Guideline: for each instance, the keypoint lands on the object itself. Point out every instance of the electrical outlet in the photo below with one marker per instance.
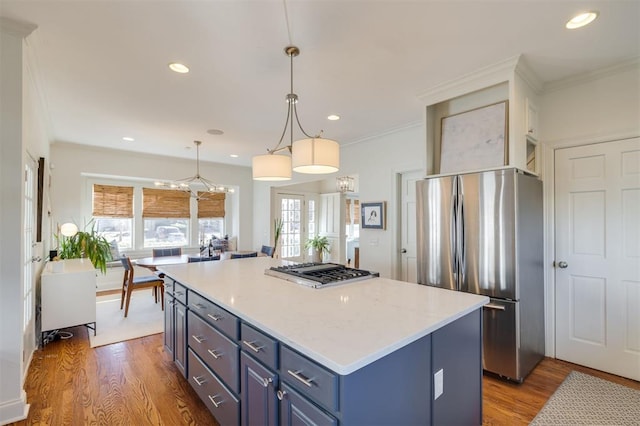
(438, 384)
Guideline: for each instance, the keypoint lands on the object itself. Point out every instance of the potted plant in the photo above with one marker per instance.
(86, 244)
(277, 231)
(319, 245)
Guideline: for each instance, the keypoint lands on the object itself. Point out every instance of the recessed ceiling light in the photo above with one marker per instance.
(581, 20)
(179, 68)
(233, 155)
(128, 139)
(215, 132)
(333, 117)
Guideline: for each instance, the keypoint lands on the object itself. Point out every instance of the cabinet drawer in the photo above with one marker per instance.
(180, 293)
(219, 353)
(296, 409)
(261, 346)
(214, 315)
(168, 285)
(221, 403)
(309, 378)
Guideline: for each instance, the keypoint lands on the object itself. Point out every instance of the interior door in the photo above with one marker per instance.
(597, 202)
(408, 226)
(293, 231)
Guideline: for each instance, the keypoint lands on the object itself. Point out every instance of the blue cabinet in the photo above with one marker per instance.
(259, 401)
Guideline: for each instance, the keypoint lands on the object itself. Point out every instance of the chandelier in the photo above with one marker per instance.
(344, 184)
(313, 155)
(196, 186)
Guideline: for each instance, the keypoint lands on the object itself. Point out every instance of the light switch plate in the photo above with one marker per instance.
(438, 384)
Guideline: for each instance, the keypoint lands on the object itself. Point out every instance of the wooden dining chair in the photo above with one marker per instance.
(129, 284)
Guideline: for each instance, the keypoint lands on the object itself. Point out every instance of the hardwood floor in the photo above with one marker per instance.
(135, 383)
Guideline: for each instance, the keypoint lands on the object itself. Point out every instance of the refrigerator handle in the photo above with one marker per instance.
(453, 230)
(461, 229)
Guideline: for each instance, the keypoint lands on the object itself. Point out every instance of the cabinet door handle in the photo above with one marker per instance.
(217, 404)
(280, 394)
(214, 317)
(200, 380)
(300, 377)
(266, 381)
(214, 354)
(197, 305)
(198, 339)
(252, 346)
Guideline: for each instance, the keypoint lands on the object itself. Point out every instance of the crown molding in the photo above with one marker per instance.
(16, 28)
(587, 77)
(482, 78)
(524, 71)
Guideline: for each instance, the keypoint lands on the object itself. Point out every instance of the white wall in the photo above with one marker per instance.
(597, 107)
(13, 401)
(74, 165)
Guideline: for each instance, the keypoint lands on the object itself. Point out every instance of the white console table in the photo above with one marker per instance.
(68, 296)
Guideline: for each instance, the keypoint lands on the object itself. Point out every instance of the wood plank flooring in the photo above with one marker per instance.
(135, 383)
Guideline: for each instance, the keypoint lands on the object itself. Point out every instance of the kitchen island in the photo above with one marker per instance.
(262, 350)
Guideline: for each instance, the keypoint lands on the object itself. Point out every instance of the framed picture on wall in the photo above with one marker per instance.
(475, 139)
(373, 215)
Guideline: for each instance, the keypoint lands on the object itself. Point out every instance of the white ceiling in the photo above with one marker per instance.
(102, 65)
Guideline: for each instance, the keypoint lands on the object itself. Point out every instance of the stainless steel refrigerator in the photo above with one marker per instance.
(482, 233)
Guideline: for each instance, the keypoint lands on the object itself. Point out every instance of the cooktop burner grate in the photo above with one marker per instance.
(319, 274)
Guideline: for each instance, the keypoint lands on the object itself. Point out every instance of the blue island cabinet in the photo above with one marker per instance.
(247, 377)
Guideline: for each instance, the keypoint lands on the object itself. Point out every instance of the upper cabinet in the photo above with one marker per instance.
(509, 82)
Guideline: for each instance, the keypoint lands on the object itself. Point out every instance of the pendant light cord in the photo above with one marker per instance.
(286, 18)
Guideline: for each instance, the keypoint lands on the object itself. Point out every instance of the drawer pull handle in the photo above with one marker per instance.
(214, 317)
(252, 346)
(197, 305)
(214, 354)
(200, 380)
(266, 381)
(280, 394)
(300, 377)
(198, 339)
(179, 293)
(217, 404)
(492, 306)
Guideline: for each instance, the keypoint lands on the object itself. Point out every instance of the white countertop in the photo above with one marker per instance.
(343, 327)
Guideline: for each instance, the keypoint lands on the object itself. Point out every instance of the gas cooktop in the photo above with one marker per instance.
(319, 275)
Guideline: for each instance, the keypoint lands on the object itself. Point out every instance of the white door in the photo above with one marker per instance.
(408, 248)
(597, 202)
(29, 258)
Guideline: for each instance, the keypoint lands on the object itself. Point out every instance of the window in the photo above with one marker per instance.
(112, 210)
(166, 217)
(211, 217)
(291, 237)
(352, 219)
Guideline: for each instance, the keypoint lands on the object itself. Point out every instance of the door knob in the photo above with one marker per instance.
(562, 264)
(403, 251)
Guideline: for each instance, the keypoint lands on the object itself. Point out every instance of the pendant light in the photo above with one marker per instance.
(314, 155)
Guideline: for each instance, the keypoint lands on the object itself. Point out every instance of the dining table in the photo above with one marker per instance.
(152, 263)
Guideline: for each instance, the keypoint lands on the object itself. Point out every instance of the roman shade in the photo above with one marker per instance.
(165, 203)
(112, 201)
(212, 205)
(355, 211)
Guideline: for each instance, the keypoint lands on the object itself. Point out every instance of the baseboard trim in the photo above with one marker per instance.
(14, 410)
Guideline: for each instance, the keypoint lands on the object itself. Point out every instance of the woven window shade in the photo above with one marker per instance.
(211, 206)
(165, 203)
(112, 201)
(356, 212)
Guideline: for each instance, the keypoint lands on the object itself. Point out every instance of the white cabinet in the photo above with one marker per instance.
(331, 224)
(68, 295)
(531, 120)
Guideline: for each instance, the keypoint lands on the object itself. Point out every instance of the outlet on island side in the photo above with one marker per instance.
(438, 384)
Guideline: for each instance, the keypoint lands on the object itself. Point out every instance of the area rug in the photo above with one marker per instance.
(145, 317)
(586, 400)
